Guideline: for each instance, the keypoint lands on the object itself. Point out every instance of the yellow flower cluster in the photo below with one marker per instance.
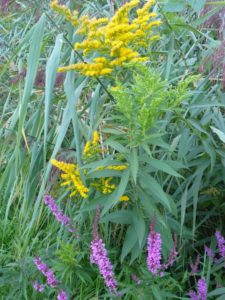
(116, 168)
(71, 176)
(104, 186)
(91, 147)
(116, 40)
(72, 17)
(98, 67)
(124, 198)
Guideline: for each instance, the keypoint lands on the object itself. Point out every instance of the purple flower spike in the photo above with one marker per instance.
(154, 250)
(209, 252)
(46, 271)
(57, 212)
(195, 266)
(99, 257)
(202, 289)
(172, 255)
(62, 295)
(221, 243)
(38, 287)
(193, 295)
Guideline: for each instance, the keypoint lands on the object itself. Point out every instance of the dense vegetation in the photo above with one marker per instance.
(112, 173)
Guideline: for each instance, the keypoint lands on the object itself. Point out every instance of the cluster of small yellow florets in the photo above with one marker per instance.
(115, 41)
(65, 11)
(105, 186)
(91, 148)
(71, 177)
(115, 168)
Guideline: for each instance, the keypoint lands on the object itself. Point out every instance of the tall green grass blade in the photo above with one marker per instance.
(51, 68)
(32, 63)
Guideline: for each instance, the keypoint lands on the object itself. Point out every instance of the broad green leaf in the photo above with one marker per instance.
(116, 145)
(120, 190)
(170, 57)
(196, 5)
(161, 165)
(32, 65)
(183, 209)
(217, 292)
(149, 183)
(129, 242)
(219, 133)
(139, 224)
(174, 6)
(211, 152)
(135, 252)
(119, 217)
(51, 68)
(156, 292)
(133, 164)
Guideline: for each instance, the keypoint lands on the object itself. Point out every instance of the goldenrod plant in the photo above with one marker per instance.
(109, 43)
(112, 171)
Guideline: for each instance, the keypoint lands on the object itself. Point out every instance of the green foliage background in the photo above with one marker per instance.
(167, 122)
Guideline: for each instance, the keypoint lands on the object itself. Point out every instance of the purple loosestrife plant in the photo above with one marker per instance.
(99, 257)
(38, 287)
(195, 266)
(202, 291)
(62, 295)
(221, 243)
(172, 255)
(46, 271)
(193, 295)
(57, 212)
(209, 252)
(154, 250)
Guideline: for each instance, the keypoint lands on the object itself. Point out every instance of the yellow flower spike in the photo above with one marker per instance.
(124, 198)
(106, 71)
(117, 168)
(102, 60)
(154, 38)
(95, 138)
(72, 178)
(87, 148)
(65, 11)
(91, 147)
(116, 41)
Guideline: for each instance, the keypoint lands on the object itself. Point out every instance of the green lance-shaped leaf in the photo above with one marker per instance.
(51, 69)
(32, 63)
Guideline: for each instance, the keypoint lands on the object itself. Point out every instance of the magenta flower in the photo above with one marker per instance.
(57, 212)
(99, 257)
(154, 250)
(209, 252)
(172, 255)
(193, 295)
(46, 271)
(202, 291)
(195, 266)
(221, 243)
(38, 287)
(62, 295)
